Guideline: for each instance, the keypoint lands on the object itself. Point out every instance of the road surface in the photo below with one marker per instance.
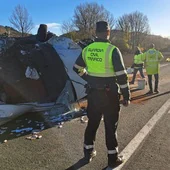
(62, 148)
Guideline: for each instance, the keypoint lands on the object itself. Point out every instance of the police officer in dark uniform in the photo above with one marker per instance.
(102, 66)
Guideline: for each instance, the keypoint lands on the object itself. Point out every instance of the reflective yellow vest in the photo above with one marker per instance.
(98, 59)
(137, 59)
(151, 59)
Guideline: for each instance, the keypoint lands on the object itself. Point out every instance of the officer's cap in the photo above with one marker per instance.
(102, 26)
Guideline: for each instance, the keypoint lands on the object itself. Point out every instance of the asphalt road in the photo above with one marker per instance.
(62, 148)
(154, 153)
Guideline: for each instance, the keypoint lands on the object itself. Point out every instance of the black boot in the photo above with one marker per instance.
(156, 91)
(89, 155)
(149, 92)
(115, 163)
(156, 83)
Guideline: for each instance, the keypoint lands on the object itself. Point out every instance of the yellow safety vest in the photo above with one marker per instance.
(98, 59)
(152, 58)
(137, 59)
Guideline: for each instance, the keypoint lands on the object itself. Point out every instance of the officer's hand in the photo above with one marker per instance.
(126, 103)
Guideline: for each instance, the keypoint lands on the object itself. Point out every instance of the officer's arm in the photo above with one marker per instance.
(160, 56)
(121, 74)
(79, 67)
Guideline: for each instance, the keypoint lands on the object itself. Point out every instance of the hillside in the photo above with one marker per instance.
(121, 40)
(5, 29)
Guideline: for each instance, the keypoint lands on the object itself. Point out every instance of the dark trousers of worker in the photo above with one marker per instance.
(156, 81)
(106, 103)
(135, 72)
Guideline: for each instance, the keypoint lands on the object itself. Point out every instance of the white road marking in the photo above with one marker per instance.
(142, 134)
(163, 65)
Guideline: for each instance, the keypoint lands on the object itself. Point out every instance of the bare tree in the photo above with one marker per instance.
(67, 26)
(138, 27)
(86, 15)
(21, 20)
(136, 24)
(123, 23)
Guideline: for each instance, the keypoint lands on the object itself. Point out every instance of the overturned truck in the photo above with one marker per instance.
(38, 76)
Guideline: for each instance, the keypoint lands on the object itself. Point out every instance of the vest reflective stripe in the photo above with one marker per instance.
(123, 86)
(107, 61)
(88, 146)
(113, 151)
(152, 60)
(84, 54)
(77, 66)
(98, 59)
(119, 73)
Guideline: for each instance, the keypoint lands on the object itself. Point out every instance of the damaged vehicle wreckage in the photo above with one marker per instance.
(38, 77)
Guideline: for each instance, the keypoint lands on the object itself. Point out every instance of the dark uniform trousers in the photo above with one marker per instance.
(156, 81)
(103, 102)
(135, 72)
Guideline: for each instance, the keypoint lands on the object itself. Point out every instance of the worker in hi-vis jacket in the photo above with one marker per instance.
(137, 65)
(152, 58)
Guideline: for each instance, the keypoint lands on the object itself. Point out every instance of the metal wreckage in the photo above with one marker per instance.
(38, 77)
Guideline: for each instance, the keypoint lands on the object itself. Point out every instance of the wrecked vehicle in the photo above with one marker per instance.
(38, 77)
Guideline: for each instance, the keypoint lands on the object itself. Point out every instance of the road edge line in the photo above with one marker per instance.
(142, 134)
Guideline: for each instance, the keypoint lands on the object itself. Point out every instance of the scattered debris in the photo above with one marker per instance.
(29, 121)
(83, 119)
(23, 52)
(42, 127)
(2, 132)
(36, 131)
(5, 141)
(35, 135)
(22, 130)
(60, 126)
(130, 70)
(46, 114)
(18, 121)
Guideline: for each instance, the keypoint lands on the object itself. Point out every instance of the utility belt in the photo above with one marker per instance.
(106, 87)
(138, 65)
(90, 89)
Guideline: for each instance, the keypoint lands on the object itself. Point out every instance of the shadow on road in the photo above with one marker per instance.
(157, 95)
(77, 165)
(139, 97)
(146, 97)
(134, 90)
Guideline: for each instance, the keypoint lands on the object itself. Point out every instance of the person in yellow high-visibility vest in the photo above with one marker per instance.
(137, 65)
(101, 65)
(152, 59)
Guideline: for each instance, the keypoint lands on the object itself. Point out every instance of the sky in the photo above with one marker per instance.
(55, 12)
